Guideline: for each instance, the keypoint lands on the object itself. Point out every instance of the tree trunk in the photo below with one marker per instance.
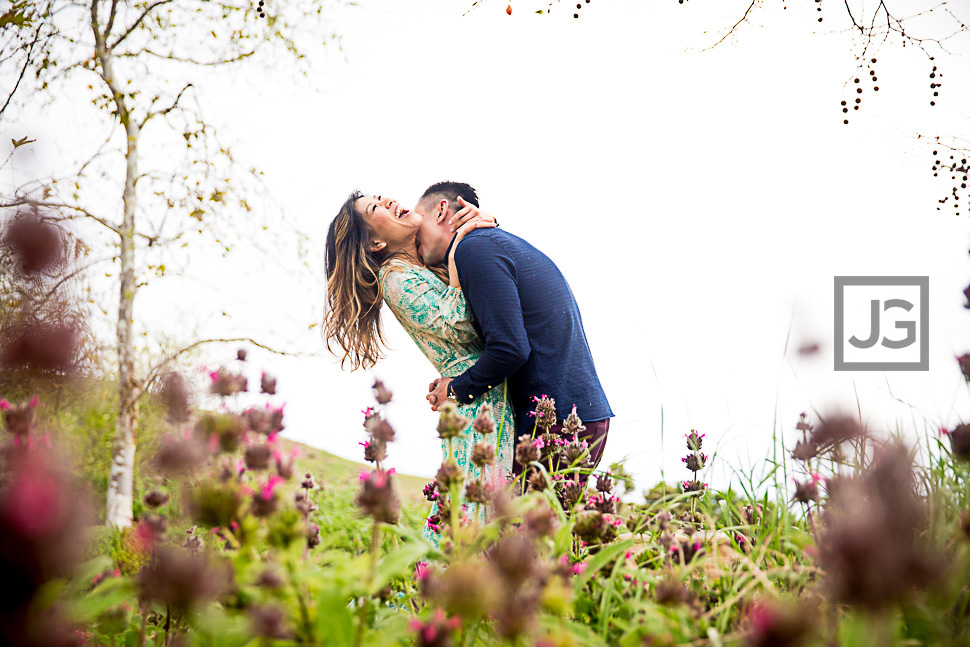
(121, 480)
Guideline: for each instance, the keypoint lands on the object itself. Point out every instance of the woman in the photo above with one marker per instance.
(372, 257)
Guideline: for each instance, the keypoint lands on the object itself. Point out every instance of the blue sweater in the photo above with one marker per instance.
(527, 315)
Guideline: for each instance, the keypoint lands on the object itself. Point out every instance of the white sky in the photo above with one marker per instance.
(699, 203)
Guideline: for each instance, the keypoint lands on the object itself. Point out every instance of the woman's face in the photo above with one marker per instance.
(389, 222)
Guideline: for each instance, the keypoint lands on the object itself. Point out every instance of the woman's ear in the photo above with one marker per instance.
(376, 245)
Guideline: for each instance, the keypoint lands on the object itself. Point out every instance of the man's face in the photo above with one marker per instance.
(432, 244)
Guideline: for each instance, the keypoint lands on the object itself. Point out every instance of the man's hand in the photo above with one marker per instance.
(438, 392)
(470, 213)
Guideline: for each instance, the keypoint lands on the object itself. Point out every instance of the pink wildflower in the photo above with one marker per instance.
(271, 484)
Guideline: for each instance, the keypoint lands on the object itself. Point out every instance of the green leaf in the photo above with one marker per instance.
(335, 620)
(398, 563)
(599, 560)
(109, 594)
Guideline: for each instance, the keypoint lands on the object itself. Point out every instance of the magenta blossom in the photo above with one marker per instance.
(271, 484)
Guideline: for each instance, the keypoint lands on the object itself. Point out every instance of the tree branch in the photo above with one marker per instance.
(179, 59)
(855, 24)
(735, 26)
(71, 275)
(19, 202)
(22, 73)
(137, 22)
(167, 110)
(111, 19)
(155, 372)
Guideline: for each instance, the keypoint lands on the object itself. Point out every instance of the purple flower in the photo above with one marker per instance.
(381, 393)
(267, 384)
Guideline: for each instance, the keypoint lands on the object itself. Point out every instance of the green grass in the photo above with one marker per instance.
(333, 470)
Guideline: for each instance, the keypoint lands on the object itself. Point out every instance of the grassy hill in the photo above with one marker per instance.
(81, 416)
(327, 468)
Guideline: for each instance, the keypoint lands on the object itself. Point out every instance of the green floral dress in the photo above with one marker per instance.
(436, 317)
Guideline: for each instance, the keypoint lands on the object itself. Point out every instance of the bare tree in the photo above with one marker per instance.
(135, 64)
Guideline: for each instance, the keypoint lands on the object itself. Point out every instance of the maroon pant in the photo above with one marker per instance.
(594, 434)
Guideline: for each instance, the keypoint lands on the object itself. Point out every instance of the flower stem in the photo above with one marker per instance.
(453, 493)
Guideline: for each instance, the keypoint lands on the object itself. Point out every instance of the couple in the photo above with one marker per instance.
(491, 312)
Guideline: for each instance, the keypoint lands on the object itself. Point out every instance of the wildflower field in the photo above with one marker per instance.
(239, 539)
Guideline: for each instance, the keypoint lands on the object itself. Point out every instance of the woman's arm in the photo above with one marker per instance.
(426, 305)
(472, 218)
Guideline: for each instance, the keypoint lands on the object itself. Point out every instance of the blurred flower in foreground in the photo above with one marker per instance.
(771, 624)
(964, 362)
(269, 621)
(435, 632)
(225, 383)
(19, 420)
(183, 578)
(870, 548)
(381, 392)
(377, 497)
(39, 346)
(959, 441)
(180, 454)
(174, 394)
(807, 491)
(43, 517)
(35, 243)
(267, 384)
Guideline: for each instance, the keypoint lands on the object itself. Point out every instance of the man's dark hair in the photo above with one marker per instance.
(450, 192)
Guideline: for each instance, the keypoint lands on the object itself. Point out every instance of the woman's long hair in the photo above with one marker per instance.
(354, 296)
(352, 316)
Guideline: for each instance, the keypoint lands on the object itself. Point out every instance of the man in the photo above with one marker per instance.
(525, 312)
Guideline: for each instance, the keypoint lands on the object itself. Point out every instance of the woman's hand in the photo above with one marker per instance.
(470, 213)
(473, 219)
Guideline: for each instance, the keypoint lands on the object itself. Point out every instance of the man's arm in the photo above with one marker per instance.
(488, 278)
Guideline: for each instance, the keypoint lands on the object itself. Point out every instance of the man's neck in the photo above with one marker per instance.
(450, 246)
